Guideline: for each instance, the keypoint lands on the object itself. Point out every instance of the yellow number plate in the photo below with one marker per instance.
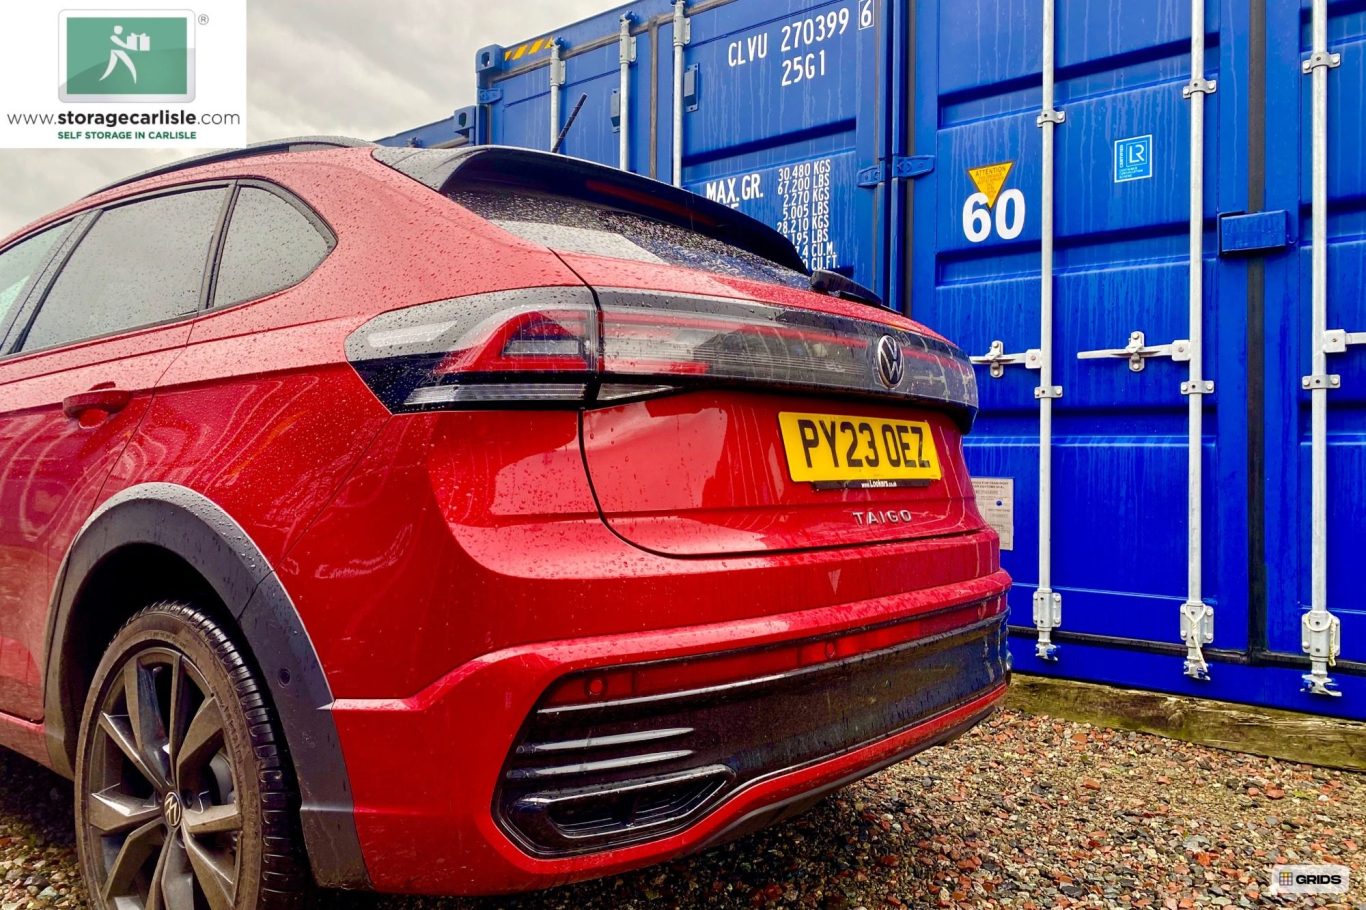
(852, 451)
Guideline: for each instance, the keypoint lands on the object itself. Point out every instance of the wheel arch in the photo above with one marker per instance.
(207, 554)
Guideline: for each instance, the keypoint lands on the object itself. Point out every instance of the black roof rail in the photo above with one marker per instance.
(271, 147)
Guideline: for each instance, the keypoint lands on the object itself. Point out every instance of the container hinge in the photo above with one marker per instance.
(907, 167)
(997, 359)
(1321, 639)
(903, 168)
(1138, 351)
(1254, 232)
(872, 176)
(1199, 86)
(1047, 617)
(615, 113)
(1197, 630)
(1320, 60)
(490, 95)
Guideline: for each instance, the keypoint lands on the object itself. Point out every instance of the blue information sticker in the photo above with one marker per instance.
(1133, 158)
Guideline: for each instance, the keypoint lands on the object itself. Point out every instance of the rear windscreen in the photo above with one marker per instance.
(577, 226)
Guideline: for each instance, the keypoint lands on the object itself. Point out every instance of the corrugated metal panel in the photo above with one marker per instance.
(783, 114)
(918, 126)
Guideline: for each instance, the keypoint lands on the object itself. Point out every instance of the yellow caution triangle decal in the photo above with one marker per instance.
(990, 179)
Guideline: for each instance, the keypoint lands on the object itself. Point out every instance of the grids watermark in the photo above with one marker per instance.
(1303, 879)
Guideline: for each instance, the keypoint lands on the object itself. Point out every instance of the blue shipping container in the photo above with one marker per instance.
(973, 159)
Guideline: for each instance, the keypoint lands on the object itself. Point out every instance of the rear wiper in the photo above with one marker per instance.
(836, 285)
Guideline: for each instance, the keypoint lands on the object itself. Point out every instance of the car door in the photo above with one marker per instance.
(76, 378)
(22, 266)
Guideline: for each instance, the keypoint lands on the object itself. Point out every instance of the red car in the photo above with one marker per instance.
(463, 521)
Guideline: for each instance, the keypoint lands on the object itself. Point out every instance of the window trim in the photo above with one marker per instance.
(38, 282)
(319, 224)
(36, 301)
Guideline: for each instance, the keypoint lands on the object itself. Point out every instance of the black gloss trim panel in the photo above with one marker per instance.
(186, 523)
(632, 783)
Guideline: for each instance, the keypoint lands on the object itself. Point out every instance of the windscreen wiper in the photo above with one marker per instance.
(836, 285)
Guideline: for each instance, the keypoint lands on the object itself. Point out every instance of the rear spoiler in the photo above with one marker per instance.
(444, 170)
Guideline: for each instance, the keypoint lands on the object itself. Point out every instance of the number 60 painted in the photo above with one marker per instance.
(1010, 216)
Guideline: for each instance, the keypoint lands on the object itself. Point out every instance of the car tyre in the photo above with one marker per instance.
(185, 799)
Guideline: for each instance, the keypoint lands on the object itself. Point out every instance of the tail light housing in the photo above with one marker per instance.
(567, 346)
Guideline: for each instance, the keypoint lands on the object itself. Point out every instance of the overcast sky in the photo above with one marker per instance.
(363, 68)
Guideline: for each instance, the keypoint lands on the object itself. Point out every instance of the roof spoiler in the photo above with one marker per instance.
(446, 169)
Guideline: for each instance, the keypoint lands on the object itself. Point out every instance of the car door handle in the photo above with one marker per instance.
(109, 401)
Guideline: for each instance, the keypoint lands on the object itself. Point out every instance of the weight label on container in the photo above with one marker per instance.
(992, 207)
(996, 502)
(1133, 158)
(805, 191)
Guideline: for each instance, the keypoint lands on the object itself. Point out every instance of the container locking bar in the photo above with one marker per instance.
(1321, 631)
(626, 44)
(682, 38)
(1197, 617)
(1047, 602)
(556, 87)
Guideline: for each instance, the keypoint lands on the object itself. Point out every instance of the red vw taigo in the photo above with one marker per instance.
(463, 521)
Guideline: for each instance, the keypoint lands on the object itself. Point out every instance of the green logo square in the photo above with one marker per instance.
(143, 56)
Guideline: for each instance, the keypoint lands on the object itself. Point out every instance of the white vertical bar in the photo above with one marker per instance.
(624, 93)
(680, 41)
(556, 82)
(1197, 618)
(1047, 603)
(1320, 626)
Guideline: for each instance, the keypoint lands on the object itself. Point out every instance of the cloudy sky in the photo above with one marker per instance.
(364, 68)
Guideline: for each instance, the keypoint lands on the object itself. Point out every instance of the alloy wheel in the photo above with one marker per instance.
(163, 822)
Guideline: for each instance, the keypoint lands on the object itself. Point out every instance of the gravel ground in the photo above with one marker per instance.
(1023, 812)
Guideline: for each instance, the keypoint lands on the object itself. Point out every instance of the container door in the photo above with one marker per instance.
(1289, 307)
(787, 123)
(782, 108)
(1122, 215)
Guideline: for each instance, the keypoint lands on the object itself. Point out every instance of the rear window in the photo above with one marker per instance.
(577, 226)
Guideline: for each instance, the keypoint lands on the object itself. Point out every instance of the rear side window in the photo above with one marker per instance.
(577, 226)
(271, 246)
(141, 264)
(19, 266)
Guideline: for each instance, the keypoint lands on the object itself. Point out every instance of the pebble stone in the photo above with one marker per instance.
(1024, 812)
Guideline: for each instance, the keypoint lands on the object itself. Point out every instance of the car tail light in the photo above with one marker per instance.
(514, 347)
(563, 345)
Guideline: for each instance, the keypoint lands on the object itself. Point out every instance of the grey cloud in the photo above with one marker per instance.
(352, 67)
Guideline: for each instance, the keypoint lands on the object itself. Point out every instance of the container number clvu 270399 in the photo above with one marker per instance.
(804, 42)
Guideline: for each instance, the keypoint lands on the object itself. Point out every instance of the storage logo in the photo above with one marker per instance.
(102, 76)
(126, 56)
(1310, 879)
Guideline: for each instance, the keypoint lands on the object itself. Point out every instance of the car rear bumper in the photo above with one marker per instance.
(446, 804)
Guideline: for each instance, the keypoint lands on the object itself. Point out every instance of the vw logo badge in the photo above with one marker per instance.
(890, 367)
(173, 811)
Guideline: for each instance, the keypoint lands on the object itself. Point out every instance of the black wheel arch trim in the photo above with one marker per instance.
(201, 533)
